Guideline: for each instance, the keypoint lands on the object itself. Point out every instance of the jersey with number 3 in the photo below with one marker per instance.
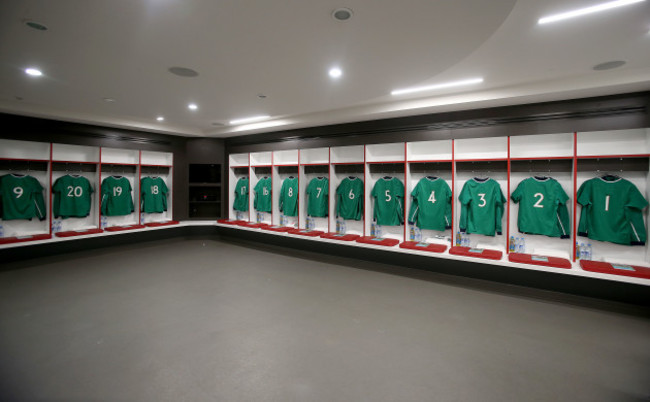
(153, 191)
(389, 206)
(71, 197)
(289, 196)
(612, 210)
(481, 202)
(116, 196)
(317, 197)
(241, 195)
(431, 204)
(349, 198)
(21, 197)
(542, 207)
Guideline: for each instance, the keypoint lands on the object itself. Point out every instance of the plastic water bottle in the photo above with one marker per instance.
(142, 219)
(511, 245)
(589, 251)
(59, 224)
(522, 245)
(583, 251)
(577, 251)
(466, 241)
(458, 238)
(103, 222)
(2, 231)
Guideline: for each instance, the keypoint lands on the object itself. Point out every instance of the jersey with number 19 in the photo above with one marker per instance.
(481, 209)
(431, 205)
(542, 207)
(389, 207)
(116, 196)
(349, 198)
(71, 197)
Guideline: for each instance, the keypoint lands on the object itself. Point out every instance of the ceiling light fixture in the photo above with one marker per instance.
(588, 10)
(335, 72)
(609, 65)
(34, 72)
(36, 25)
(183, 71)
(192, 106)
(160, 118)
(342, 14)
(248, 120)
(108, 99)
(437, 86)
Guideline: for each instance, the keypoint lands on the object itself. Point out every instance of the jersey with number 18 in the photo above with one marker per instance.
(153, 191)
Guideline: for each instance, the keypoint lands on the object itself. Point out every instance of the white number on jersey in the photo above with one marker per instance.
(319, 190)
(432, 197)
(117, 191)
(75, 191)
(154, 189)
(538, 204)
(388, 197)
(242, 190)
(265, 191)
(290, 192)
(607, 203)
(483, 202)
(351, 195)
(18, 191)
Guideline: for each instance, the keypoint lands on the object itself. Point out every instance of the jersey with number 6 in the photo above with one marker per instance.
(612, 210)
(349, 198)
(481, 206)
(21, 197)
(389, 207)
(116, 196)
(262, 201)
(241, 195)
(289, 196)
(317, 197)
(72, 197)
(431, 204)
(153, 192)
(542, 207)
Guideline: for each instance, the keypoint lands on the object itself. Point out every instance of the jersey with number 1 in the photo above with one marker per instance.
(263, 201)
(289, 196)
(317, 197)
(389, 206)
(542, 207)
(431, 205)
(153, 191)
(116, 196)
(481, 206)
(241, 195)
(21, 197)
(349, 198)
(72, 197)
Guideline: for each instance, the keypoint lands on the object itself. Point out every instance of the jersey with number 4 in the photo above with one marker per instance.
(289, 196)
(116, 196)
(612, 210)
(389, 207)
(262, 201)
(542, 207)
(317, 197)
(153, 192)
(431, 204)
(481, 207)
(72, 197)
(21, 197)
(241, 195)
(349, 198)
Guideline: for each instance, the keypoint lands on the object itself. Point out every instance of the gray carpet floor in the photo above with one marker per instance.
(202, 320)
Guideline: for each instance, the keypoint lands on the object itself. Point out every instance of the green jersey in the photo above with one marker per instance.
(317, 197)
(21, 197)
(388, 193)
(542, 207)
(481, 207)
(241, 195)
(153, 195)
(116, 196)
(349, 198)
(262, 201)
(72, 197)
(289, 196)
(612, 210)
(431, 204)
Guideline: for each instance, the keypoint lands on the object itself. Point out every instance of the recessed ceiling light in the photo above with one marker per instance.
(609, 65)
(36, 25)
(160, 118)
(588, 10)
(342, 14)
(108, 100)
(192, 106)
(335, 72)
(437, 86)
(261, 96)
(34, 72)
(248, 120)
(183, 71)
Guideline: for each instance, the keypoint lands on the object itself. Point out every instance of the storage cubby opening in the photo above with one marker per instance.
(22, 166)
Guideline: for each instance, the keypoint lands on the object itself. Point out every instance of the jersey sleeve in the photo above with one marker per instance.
(500, 202)
(517, 194)
(414, 210)
(633, 212)
(584, 199)
(399, 193)
(464, 199)
(448, 199)
(39, 202)
(337, 198)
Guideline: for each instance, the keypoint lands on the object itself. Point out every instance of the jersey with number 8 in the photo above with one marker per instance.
(289, 196)
(116, 196)
(72, 197)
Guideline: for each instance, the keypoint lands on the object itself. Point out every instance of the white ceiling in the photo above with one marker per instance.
(122, 49)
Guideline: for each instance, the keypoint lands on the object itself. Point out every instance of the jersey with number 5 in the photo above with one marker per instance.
(241, 195)
(72, 197)
(431, 204)
(542, 207)
(21, 197)
(317, 197)
(389, 205)
(612, 210)
(349, 198)
(153, 191)
(481, 202)
(289, 196)
(116, 196)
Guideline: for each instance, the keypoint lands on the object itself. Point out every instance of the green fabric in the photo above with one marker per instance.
(349, 199)
(481, 209)
(431, 204)
(241, 195)
(317, 197)
(263, 201)
(116, 196)
(289, 196)
(542, 207)
(612, 210)
(153, 191)
(22, 197)
(389, 205)
(72, 197)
